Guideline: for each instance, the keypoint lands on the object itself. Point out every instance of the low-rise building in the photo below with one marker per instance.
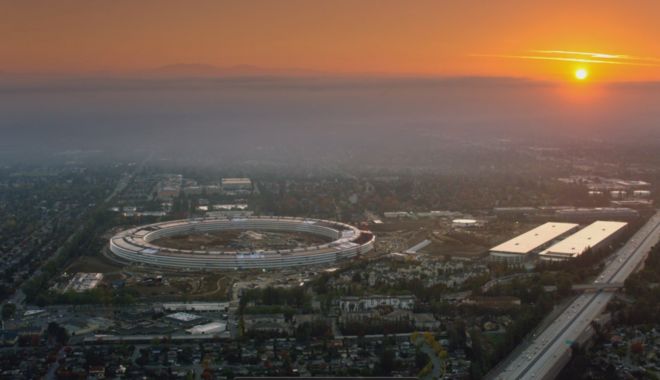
(196, 306)
(236, 184)
(183, 317)
(466, 223)
(359, 304)
(271, 323)
(595, 236)
(521, 247)
(208, 328)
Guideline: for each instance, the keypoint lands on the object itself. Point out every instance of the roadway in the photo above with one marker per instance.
(550, 349)
(614, 286)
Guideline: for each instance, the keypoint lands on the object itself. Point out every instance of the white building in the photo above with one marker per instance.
(595, 236)
(235, 206)
(618, 194)
(641, 193)
(360, 304)
(519, 248)
(183, 317)
(265, 323)
(465, 223)
(229, 214)
(197, 306)
(236, 184)
(208, 328)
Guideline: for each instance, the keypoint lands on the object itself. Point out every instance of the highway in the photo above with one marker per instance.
(550, 349)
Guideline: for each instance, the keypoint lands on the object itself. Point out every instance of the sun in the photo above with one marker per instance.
(581, 74)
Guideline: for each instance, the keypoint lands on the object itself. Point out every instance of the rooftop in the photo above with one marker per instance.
(236, 181)
(533, 239)
(183, 317)
(207, 328)
(589, 236)
(196, 306)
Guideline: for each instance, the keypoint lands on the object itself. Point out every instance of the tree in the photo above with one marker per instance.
(8, 310)
(637, 347)
(387, 361)
(57, 333)
(564, 287)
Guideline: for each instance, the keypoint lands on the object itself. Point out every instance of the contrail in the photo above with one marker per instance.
(598, 55)
(567, 59)
(582, 53)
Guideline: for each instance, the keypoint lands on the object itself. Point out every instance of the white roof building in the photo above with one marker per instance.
(208, 328)
(196, 306)
(236, 183)
(183, 316)
(534, 239)
(465, 223)
(592, 236)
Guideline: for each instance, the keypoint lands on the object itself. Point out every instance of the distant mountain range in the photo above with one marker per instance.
(204, 70)
(179, 70)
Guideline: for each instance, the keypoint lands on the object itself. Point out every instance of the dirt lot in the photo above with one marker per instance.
(452, 249)
(164, 286)
(96, 263)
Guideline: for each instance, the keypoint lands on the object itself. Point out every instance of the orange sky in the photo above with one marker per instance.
(406, 36)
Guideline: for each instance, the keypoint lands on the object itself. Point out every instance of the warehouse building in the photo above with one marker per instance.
(595, 236)
(236, 184)
(522, 247)
(208, 328)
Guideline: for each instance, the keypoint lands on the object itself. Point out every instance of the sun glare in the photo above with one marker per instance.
(581, 74)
